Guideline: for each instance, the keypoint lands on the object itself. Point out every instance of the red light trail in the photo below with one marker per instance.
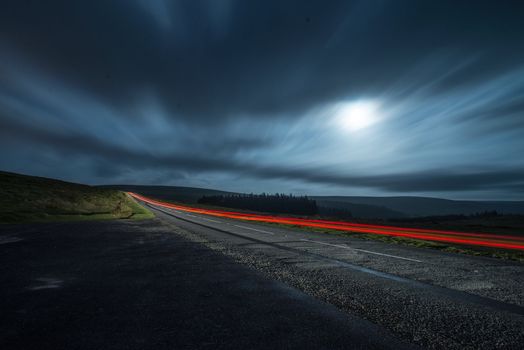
(479, 239)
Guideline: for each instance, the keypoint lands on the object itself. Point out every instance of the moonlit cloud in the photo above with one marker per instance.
(361, 97)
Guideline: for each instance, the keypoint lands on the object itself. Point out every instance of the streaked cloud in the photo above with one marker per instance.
(249, 96)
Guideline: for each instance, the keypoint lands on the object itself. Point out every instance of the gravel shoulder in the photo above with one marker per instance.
(424, 316)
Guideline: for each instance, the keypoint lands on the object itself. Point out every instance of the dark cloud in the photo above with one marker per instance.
(109, 160)
(269, 58)
(244, 89)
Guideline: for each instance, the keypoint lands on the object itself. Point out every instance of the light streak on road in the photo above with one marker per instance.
(466, 238)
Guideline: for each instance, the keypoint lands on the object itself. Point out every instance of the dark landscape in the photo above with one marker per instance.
(28, 198)
(104, 281)
(262, 174)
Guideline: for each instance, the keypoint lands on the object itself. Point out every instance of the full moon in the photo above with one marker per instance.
(354, 116)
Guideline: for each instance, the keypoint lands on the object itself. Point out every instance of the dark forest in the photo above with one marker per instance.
(271, 203)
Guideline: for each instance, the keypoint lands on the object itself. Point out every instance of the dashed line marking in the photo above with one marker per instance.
(254, 229)
(362, 250)
(317, 242)
(218, 222)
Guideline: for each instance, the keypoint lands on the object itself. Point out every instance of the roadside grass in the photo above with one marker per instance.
(26, 199)
(506, 254)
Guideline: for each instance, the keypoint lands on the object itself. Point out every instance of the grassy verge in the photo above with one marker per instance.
(34, 199)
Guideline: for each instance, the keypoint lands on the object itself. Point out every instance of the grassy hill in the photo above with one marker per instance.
(424, 206)
(189, 195)
(35, 199)
(360, 207)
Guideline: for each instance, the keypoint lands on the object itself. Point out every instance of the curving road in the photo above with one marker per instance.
(479, 239)
(412, 292)
(187, 280)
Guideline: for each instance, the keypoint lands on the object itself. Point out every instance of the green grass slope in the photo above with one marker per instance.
(35, 199)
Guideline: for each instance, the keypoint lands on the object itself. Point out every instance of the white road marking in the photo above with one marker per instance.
(362, 250)
(308, 240)
(218, 222)
(254, 229)
(193, 216)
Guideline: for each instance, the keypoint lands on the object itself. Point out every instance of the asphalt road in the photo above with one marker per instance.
(143, 285)
(427, 297)
(189, 281)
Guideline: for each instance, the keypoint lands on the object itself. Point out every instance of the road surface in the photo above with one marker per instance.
(191, 281)
(467, 238)
(432, 298)
(140, 285)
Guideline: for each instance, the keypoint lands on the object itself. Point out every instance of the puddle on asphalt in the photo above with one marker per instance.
(10, 239)
(47, 283)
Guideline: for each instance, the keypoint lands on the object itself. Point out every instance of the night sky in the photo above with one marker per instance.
(318, 97)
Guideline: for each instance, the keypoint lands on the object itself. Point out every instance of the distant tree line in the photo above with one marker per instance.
(271, 203)
(487, 214)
